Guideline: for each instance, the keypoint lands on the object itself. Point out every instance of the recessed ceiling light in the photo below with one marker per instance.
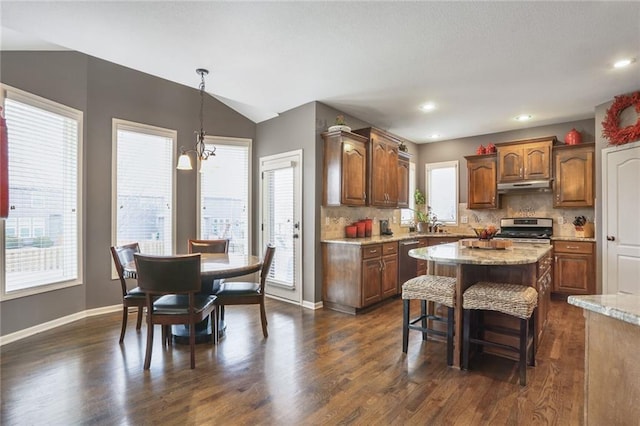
(434, 136)
(623, 63)
(429, 106)
(524, 117)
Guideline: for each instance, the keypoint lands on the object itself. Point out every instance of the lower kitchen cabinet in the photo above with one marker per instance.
(357, 276)
(574, 267)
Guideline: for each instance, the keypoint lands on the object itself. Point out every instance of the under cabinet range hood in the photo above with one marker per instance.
(525, 186)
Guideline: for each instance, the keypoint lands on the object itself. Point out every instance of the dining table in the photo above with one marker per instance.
(213, 266)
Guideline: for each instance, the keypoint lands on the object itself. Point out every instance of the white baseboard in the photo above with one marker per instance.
(21, 334)
(311, 305)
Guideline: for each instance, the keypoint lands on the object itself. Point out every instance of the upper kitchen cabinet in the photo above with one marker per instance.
(482, 186)
(383, 166)
(403, 179)
(525, 160)
(574, 175)
(345, 169)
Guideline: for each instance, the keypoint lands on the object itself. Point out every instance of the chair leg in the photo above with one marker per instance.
(466, 330)
(214, 325)
(192, 343)
(524, 340)
(263, 318)
(139, 321)
(125, 313)
(450, 320)
(423, 313)
(532, 331)
(406, 306)
(147, 356)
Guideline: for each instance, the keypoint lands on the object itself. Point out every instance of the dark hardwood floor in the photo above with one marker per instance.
(318, 367)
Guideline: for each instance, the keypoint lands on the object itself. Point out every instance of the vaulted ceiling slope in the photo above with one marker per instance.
(482, 63)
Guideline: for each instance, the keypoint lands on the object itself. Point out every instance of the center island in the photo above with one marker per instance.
(523, 263)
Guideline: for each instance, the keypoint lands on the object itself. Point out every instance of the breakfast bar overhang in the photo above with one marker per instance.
(523, 263)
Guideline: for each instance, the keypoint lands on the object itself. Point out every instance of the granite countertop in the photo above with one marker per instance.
(518, 254)
(377, 239)
(624, 307)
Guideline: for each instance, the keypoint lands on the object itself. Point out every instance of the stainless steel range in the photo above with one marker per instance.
(526, 229)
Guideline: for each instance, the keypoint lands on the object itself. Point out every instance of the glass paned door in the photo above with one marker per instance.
(281, 225)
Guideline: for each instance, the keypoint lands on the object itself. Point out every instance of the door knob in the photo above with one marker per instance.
(611, 238)
(296, 236)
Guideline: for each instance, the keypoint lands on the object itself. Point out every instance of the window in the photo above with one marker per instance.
(407, 216)
(143, 191)
(442, 190)
(42, 237)
(225, 193)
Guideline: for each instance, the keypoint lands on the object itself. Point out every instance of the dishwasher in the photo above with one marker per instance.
(407, 265)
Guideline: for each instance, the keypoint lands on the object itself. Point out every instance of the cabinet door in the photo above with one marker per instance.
(510, 164)
(573, 184)
(371, 281)
(378, 173)
(403, 182)
(354, 173)
(537, 161)
(573, 273)
(389, 276)
(482, 191)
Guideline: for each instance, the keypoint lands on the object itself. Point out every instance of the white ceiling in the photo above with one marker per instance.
(482, 63)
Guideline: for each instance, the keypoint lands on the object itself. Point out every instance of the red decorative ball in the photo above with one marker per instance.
(573, 137)
(481, 150)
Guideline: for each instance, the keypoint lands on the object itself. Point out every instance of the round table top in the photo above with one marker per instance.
(219, 265)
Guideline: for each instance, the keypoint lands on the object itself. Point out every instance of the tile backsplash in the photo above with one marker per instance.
(334, 219)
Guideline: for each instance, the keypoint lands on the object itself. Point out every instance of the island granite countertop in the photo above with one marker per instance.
(623, 307)
(456, 253)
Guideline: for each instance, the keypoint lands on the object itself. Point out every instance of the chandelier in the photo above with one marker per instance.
(184, 161)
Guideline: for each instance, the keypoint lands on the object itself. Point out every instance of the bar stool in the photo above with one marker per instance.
(519, 301)
(433, 288)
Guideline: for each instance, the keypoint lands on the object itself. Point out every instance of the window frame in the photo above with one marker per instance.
(221, 140)
(58, 108)
(413, 184)
(132, 126)
(444, 165)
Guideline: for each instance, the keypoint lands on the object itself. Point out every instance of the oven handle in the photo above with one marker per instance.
(409, 243)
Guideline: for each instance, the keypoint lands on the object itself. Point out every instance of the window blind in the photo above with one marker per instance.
(144, 187)
(224, 195)
(442, 190)
(41, 244)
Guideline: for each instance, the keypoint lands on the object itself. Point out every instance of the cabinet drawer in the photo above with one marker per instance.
(389, 248)
(374, 250)
(573, 247)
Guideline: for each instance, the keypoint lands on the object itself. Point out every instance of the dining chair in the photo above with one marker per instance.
(175, 281)
(135, 297)
(209, 246)
(248, 293)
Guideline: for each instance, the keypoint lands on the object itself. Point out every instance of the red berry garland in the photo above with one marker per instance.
(610, 126)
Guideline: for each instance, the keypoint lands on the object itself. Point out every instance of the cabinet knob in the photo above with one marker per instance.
(611, 238)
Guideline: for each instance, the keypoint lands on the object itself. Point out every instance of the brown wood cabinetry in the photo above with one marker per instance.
(345, 169)
(403, 179)
(355, 277)
(574, 175)
(383, 166)
(482, 182)
(525, 160)
(574, 267)
(545, 281)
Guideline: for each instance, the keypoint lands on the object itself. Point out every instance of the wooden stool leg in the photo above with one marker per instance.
(532, 331)
(524, 339)
(466, 330)
(423, 312)
(405, 324)
(450, 336)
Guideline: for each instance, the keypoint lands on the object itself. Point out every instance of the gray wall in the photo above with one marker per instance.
(104, 91)
(457, 149)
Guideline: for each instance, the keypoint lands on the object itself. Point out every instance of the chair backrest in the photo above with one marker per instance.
(121, 256)
(266, 265)
(168, 274)
(209, 246)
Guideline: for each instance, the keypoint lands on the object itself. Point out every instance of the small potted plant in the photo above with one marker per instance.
(423, 212)
(340, 124)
